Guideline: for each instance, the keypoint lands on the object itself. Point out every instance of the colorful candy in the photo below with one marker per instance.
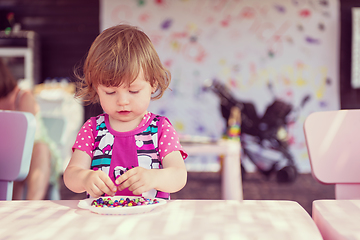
(108, 202)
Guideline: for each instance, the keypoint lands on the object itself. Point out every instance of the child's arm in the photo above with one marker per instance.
(27, 103)
(171, 178)
(78, 177)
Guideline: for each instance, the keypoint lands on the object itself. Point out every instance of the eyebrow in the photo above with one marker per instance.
(135, 84)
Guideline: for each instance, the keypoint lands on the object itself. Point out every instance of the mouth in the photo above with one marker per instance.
(124, 112)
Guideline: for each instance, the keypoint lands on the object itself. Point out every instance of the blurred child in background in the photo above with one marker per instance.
(44, 153)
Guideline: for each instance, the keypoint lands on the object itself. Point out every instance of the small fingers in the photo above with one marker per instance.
(103, 188)
(125, 176)
(132, 179)
(107, 185)
(138, 189)
(135, 184)
(100, 183)
(128, 183)
(94, 191)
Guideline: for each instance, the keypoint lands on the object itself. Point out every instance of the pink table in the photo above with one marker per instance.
(231, 184)
(177, 219)
(337, 219)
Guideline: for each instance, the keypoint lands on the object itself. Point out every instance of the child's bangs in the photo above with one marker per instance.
(119, 74)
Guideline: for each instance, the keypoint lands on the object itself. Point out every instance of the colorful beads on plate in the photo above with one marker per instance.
(108, 202)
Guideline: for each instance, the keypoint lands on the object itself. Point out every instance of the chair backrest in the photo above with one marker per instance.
(333, 143)
(17, 131)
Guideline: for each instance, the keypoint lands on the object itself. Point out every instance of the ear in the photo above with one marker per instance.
(154, 88)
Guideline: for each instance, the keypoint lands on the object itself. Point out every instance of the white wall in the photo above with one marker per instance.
(246, 44)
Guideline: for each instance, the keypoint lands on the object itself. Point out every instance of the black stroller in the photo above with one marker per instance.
(263, 140)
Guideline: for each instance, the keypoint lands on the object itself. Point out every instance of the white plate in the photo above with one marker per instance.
(86, 204)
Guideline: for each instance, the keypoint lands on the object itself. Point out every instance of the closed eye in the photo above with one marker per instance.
(109, 93)
(133, 92)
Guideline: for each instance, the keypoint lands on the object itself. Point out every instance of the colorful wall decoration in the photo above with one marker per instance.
(248, 45)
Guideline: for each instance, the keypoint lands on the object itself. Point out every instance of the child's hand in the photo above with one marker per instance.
(138, 180)
(97, 183)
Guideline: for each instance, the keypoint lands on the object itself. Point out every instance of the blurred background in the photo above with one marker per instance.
(277, 61)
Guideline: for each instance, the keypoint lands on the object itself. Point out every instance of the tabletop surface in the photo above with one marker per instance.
(337, 219)
(177, 219)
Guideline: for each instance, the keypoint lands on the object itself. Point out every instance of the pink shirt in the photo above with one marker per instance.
(116, 152)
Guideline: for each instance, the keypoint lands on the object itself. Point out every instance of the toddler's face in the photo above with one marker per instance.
(126, 105)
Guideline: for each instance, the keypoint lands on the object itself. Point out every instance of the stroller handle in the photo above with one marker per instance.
(222, 91)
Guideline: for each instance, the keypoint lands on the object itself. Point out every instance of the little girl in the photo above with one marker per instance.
(127, 150)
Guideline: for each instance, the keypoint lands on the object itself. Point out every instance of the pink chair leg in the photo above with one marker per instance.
(6, 190)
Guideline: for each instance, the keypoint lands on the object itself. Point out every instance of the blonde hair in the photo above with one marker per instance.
(116, 57)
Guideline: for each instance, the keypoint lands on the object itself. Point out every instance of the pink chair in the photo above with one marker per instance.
(17, 131)
(333, 143)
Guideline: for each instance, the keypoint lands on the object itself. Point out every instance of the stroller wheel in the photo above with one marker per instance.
(287, 174)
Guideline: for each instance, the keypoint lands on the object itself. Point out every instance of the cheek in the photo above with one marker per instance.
(101, 99)
(144, 102)
(104, 102)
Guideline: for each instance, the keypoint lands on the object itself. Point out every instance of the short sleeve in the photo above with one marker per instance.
(85, 139)
(169, 141)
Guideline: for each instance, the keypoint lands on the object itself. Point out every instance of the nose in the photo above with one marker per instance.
(122, 100)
